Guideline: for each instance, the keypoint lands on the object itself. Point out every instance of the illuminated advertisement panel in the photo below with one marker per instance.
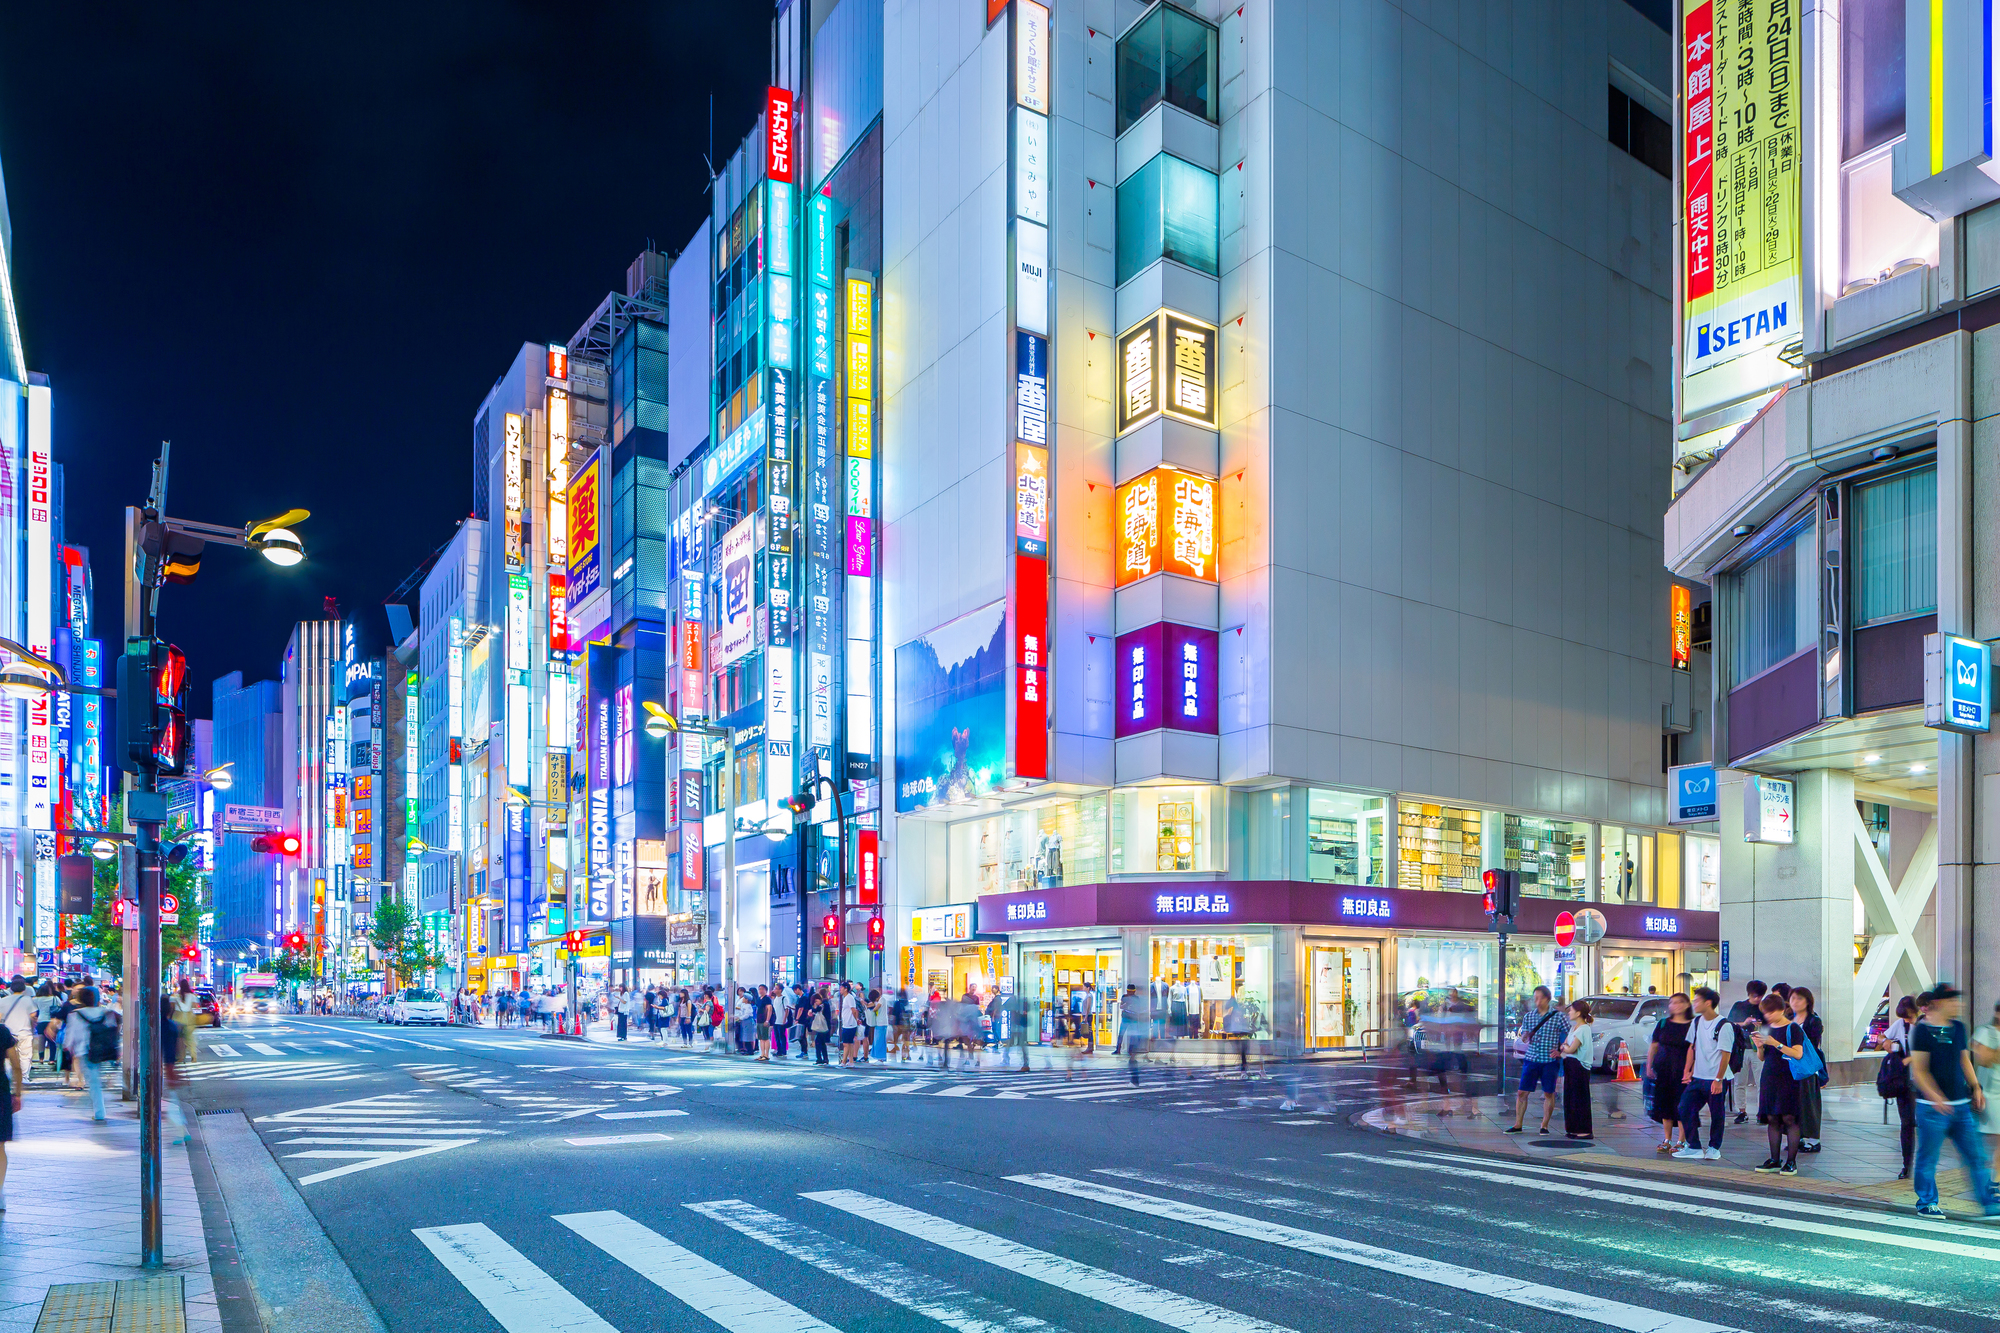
(860, 306)
(739, 591)
(512, 489)
(1166, 364)
(1031, 500)
(1031, 667)
(778, 154)
(40, 614)
(586, 559)
(1166, 678)
(951, 711)
(1681, 613)
(1031, 389)
(1166, 524)
(1031, 55)
(1031, 276)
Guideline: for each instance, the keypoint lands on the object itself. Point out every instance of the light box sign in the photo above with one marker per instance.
(1031, 667)
(1767, 810)
(1660, 923)
(41, 607)
(739, 591)
(1031, 500)
(1166, 364)
(1691, 794)
(586, 558)
(860, 368)
(1166, 524)
(951, 711)
(1368, 908)
(1031, 55)
(1031, 389)
(1167, 678)
(1957, 692)
(513, 489)
(1031, 165)
(1681, 612)
(1192, 904)
(1031, 276)
(867, 867)
(778, 154)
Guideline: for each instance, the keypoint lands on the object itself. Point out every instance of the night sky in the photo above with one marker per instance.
(302, 242)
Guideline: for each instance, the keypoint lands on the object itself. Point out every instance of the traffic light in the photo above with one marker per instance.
(156, 738)
(296, 941)
(801, 804)
(179, 553)
(192, 953)
(829, 930)
(1503, 893)
(284, 844)
(877, 935)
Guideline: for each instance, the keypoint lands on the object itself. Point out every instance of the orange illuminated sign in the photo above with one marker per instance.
(1681, 601)
(1166, 524)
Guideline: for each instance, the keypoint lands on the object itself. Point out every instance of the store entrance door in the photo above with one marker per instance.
(1344, 994)
(1082, 980)
(1638, 971)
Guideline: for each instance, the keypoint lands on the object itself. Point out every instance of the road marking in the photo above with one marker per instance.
(1928, 1227)
(704, 1287)
(1209, 1110)
(262, 1049)
(345, 1046)
(906, 1087)
(1534, 1295)
(1121, 1293)
(373, 1159)
(1300, 1122)
(1098, 1096)
(520, 1296)
(1929, 1243)
(953, 1306)
(599, 1140)
(957, 1090)
(635, 1115)
(228, 1052)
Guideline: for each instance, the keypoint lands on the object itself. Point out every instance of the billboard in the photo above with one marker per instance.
(586, 555)
(1166, 364)
(1741, 160)
(739, 591)
(1167, 678)
(41, 608)
(1166, 524)
(951, 711)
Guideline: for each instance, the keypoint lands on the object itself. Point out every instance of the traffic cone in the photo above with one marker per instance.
(1626, 1074)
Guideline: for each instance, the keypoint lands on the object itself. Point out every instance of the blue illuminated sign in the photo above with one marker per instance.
(1375, 909)
(1966, 662)
(1191, 904)
(1692, 793)
(1662, 925)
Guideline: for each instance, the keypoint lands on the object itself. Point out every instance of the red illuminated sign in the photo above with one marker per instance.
(1031, 663)
(868, 863)
(1698, 142)
(778, 134)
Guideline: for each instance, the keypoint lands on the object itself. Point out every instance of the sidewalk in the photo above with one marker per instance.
(1860, 1161)
(72, 1208)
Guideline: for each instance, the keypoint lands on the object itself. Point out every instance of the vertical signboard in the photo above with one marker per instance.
(586, 558)
(1740, 171)
(1029, 453)
(1680, 611)
(739, 591)
(512, 489)
(825, 535)
(40, 806)
(1767, 809)
(602, 684)
(1957, 688)
(858, 309)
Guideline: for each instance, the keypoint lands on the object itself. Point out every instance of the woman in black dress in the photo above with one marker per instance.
(1579, 1054)
(1804, 1015)
(1777, 1091)
(1666, 1061)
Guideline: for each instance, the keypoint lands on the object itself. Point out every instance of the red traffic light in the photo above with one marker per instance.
(877, 934)
(801, 804)
(829, 929)
(192, 952)
(1491, 879)
(1486, 901)
(284, 844)
(295, 940)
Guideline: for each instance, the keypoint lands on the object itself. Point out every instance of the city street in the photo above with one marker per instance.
(476, 1179)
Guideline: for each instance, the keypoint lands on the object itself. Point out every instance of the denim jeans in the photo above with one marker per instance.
(1693, 1098)
(93, 1078)
(1963, 1131)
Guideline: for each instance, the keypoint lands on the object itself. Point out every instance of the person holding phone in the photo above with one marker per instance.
(1781, 1042)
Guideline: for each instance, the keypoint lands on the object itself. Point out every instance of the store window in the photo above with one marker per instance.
(1775, 608)
(1701, 873)
(1157, 830)
(1438, 846)
(1625, 865)
(1043, 847)
(1167, 56)
(1530, 965)
(1638, 971)
(1345, 1004)
(1550, 854)
(1346, 836)
(1447, 986)
(1167, 210)
(1196, 981)
(1881, 236)
(1081, 980)
(1895, 547)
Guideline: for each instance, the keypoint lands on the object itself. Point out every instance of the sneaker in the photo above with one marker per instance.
(1931, 1210)
(1809, 1147)
(1711, 1154)
(1769, 1164)
(1741, 1116)
(1789, 1169)
(1689, 1155)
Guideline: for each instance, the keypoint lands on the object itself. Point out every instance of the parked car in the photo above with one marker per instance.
(210, 1011)
(416, 1005)
(1625, 1021)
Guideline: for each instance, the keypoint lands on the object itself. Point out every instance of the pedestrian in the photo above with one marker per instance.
(1128, 1020)
(1746, 1015)
(1578, 1052)
(1016, 1010)
(58, 1032)
(1801, 1002)
(781, 1020)
(970, 1027)
(1543, 1065)
(90, 1034)
(1781, 1041)
(1941, 1067)
(850, 1022)
(1892, 1076)
(743, 1022)
(1666, 1062)
(12, 1081)
(1712, 1039)
(187, 1013)
(17, 1010)
(1986, 1061)
(760, 1016)
(684, 1015)
(899, 1024)
(820, 1025)
(46, 1000)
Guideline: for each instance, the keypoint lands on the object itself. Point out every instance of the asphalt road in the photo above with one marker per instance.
(475, 1180)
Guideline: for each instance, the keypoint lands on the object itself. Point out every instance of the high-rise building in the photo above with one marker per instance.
(455, 669)
(246, 734)
(312, 695)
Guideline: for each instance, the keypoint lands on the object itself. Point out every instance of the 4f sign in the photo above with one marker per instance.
(1957, 694)
(778, 135)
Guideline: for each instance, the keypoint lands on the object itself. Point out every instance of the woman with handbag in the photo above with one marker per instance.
(1579, 1051)
(1803, 1014)
(1892, 1078)
(1784, 1045)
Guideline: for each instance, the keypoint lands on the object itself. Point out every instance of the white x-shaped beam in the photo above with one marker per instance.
(1892, 914)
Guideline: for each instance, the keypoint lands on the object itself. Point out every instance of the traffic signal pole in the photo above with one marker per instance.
(146, 812)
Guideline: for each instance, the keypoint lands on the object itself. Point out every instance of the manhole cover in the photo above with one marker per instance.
(1559, 1143)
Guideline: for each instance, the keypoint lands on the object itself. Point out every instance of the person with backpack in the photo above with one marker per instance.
(1784, 1046)
(1746, 1015)
(1712, 1041)
(17, 1009)
(1546, 1029)
(1801, 1001)
(1892, 1076)
(90, 1034)
(1941, 1067)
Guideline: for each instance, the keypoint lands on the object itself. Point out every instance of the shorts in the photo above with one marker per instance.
(847, 1036)
(1542, 1074)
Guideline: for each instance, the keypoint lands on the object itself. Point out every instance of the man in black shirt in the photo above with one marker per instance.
(1941, 1070)
(1745, 1016)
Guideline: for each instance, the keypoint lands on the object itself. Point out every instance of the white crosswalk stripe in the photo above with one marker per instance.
(705, 1287)
(519, 1295)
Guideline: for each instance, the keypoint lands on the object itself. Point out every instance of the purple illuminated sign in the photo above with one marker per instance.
(860, 546)
(1166, 678)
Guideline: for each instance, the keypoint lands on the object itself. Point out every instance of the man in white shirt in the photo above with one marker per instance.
(1711, 1040)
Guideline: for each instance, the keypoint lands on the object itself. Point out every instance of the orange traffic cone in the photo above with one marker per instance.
(1626, 1074)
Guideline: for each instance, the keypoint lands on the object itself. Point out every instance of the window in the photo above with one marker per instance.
(1059, 843)
(1164, 829)
(1871, 75)
(1167, 209)
(1625, 865)
(1881, 236)
(1344, 838)
(1166, 56)
(1776, 607)
(1641, 133)
(1895, 547)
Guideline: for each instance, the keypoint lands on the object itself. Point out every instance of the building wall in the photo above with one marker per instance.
(451, 590)
(245, 733)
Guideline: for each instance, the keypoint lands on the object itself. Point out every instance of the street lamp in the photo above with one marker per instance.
(220, 777)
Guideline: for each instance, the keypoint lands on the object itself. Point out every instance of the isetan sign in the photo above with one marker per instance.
(778, 135)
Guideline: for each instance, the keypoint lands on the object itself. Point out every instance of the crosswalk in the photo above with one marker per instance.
(370, 1132)
(1191, 1246)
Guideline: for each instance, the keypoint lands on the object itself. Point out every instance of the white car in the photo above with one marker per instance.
(414, 1005)
(1625, 1021)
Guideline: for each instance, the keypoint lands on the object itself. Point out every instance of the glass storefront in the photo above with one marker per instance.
(1193, 979)
(1345, 833)
(1045, 846)
(1625, 865)
(1550, 854)
(1439, 846)
(1344, 994)
(1158, 830)
(1449, 983)
(1629, 971)
(1701, 869)
(1085, 976)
